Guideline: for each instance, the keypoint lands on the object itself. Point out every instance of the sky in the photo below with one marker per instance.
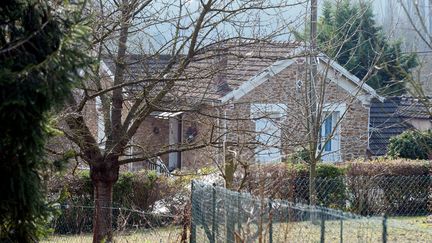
(275, 22)
(282, 21)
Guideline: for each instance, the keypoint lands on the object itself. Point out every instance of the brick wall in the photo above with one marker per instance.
(283, 88)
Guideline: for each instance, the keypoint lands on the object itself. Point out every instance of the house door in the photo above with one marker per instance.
(174, 134)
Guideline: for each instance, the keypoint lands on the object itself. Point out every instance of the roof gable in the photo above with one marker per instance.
(257, 80)
(349, 83)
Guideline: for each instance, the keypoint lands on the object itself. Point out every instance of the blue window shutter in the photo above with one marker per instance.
(327, 132)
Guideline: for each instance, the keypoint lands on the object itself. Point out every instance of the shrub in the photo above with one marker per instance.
(291, 182)
(395, 187)
(137, 191)
(411, 145)
(300, 155)
(329, 184)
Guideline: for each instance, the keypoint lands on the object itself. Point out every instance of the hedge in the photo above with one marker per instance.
(395, 187)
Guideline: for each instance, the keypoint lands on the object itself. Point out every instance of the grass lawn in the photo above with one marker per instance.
(162, 235)
(400, 229)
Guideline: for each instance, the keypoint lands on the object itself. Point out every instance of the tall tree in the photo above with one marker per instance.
(311, 101)
(349, 34)
(40, 59)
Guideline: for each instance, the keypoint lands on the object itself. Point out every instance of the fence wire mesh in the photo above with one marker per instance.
(363, 195)
(73, 224)
(220, 215)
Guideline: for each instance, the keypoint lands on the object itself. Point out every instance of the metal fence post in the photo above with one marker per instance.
(322, 238)
(214, 215)
(239, 219)
(384, 225)
(229, 220)
(341, 231)
(193, 226)
(270, 221)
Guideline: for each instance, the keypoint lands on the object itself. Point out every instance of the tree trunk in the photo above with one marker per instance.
(102, 216)
(229, 166)
(312, 190)
(103, 177)
(312, 183)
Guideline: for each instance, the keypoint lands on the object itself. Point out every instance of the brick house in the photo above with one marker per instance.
(252, 95)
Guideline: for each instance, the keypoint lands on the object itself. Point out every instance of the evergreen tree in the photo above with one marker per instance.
(41, 57)
(348, 34)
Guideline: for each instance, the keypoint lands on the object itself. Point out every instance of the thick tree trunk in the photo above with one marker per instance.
(102, 217)
(103, 177)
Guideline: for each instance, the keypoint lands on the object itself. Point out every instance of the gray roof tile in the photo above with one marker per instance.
(389, 118)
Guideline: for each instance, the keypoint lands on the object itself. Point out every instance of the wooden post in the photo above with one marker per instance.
(229, 180)
(229, 165)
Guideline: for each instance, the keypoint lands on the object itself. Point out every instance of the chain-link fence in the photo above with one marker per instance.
(363, 195)
(73, 224)
(220, 215)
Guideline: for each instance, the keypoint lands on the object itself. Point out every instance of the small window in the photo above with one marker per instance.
(330, 137)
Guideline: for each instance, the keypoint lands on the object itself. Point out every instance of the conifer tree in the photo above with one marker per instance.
(349, 35)
(41, 58)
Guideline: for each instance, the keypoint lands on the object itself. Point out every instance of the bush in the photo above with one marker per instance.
(300, 155)
(329, 184)
(137, 191)
(291, 182)
(411, 145)
(395, 187)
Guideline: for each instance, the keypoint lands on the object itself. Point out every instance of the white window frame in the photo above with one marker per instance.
(337, 111)
(272, 153)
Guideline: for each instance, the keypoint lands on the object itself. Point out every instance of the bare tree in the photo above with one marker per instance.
(417, 17)
(173, 39)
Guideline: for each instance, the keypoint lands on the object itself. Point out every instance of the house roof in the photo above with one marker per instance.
(215, 71)
(138, 66)
(229, 70)
(391, 118)
(234, 63)
(264, 71)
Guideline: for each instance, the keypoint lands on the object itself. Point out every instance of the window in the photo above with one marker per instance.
(267, 119)
(330, 133)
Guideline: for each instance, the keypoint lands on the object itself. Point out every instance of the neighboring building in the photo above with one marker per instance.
(394, 116)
